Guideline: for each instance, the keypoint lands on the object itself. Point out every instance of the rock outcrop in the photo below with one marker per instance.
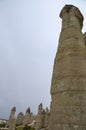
(39, 117)
(39, 121)
(47, 118)
(42, 119)
(68, 86)
(12, 119)
(84, 36)
(20, 118)
(27, 118)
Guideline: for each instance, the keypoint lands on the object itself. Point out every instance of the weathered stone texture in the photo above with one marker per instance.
(12, 119)
(84, 36)
(20, 118)
(39, 117)
(42, 119)
(47, 118)
(68, 86)
(27, 118)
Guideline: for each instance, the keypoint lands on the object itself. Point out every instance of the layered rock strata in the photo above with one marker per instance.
(68, 86)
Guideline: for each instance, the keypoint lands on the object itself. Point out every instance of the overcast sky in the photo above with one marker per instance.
(29, 32)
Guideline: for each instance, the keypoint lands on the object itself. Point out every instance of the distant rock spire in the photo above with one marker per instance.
(28, 110)
(20, 118)
(39, 117)
(12, 119)
(27, 117)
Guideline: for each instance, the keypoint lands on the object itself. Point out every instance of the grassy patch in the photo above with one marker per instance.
(24, 128)
(19, 128)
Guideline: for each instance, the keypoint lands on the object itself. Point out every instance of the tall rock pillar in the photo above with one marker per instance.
(68, 86)
(12, 119)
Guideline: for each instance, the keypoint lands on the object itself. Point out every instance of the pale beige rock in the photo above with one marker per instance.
(33, 117)
(42, 119)
(68, 86)
(39, 117)
(27, 118)
(20, 118)
(47, 118)
(12, 119)
(84, 36)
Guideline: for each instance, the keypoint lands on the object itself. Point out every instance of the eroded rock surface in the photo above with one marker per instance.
(20, 118)
(27, 118)
(12, 119)
(68, 86)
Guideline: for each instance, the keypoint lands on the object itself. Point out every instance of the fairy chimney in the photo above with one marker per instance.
(12, 119)
(68, 85)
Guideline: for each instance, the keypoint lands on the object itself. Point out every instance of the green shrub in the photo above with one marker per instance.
(33, 129)
(19, 128)
(3, 125)
(26, 127)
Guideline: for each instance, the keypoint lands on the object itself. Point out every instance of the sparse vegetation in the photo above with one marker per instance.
(19, 128)
(2, 125)
(26, 127)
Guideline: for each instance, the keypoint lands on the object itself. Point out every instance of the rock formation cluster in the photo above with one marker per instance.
(42, 119)
(39, 121)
